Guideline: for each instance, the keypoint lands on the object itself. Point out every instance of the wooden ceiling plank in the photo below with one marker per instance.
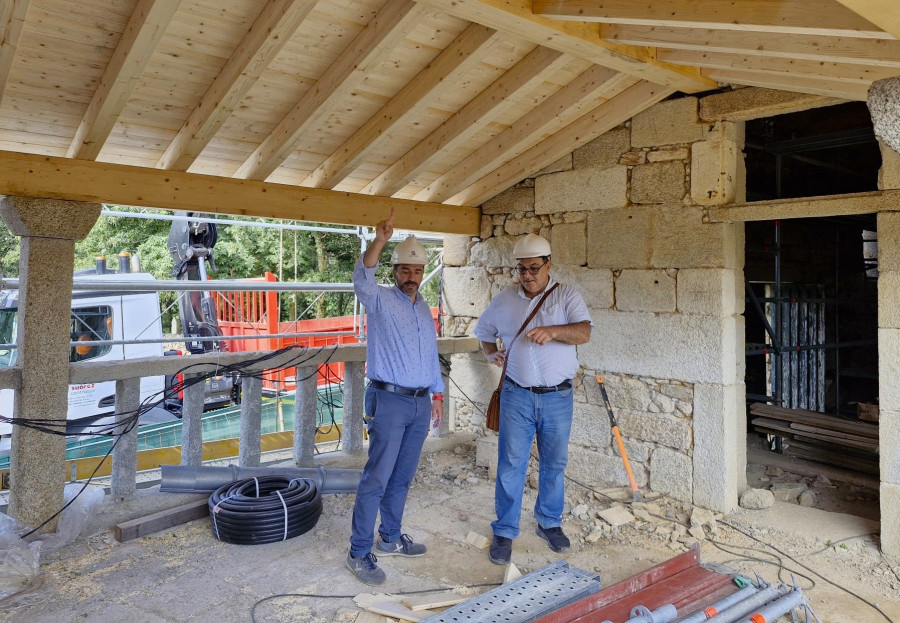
(532, 70)
(30, 175)
(142, 34)
(583, 91)
(603, 118)
(883, 13)
(814, 86)
(841, 72)
(580, 40)
(12, 19)
(879, 52)
(395, 19)
(270, 32)
(454, 61)
(814, 17)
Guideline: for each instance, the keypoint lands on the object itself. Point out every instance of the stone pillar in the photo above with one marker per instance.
(354, 406)
(305, 416)
(249, 450)
(191, 422)
(48, 229)
(889, 378)
(124, 472)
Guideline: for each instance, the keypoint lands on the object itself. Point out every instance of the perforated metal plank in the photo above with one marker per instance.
(525, 599)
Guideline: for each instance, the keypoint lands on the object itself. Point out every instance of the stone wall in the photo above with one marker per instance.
(624, 215)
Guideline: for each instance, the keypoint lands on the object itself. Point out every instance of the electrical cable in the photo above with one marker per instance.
(317, 596)
(127, 420)
(266, 509)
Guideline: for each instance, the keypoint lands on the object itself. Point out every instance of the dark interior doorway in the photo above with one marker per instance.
(811, 286)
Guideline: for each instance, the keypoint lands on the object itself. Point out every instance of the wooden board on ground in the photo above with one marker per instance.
(143, 526)
(431, 601)
(398, 611)
(814, 418)
(370, 617)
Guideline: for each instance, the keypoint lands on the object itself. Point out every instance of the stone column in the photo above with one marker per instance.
(354, 401)
(124, 470)
(48, 229)
(720, 421)
(305, 416)
(192, 422)
(889, 378)
(249, 450)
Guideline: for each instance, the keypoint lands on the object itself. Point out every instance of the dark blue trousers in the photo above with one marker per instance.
(397, 431)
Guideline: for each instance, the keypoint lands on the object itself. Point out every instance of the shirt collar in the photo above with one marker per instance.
(521, 290)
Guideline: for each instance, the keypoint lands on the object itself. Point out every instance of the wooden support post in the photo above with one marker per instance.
(249, 450)
(124, 470)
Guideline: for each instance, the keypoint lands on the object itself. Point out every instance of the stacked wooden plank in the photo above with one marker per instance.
(820, 437)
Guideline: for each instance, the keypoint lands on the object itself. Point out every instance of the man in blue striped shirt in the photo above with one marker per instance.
(403, 399)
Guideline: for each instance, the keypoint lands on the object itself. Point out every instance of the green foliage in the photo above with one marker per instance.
(240, 252)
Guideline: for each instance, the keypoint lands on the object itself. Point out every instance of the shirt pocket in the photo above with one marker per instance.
(554, 314)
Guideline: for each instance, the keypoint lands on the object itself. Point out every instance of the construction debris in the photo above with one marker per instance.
(478, 540)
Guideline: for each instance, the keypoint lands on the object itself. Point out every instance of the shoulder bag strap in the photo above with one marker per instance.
(522, 328)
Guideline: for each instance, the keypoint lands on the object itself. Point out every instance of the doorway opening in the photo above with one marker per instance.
(811, 298)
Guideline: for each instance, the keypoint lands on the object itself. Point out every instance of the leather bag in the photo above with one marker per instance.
(492, 417)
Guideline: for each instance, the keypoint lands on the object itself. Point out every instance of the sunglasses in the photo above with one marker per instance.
(529, 269)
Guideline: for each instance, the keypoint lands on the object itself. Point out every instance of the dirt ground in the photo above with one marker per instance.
(185, 574)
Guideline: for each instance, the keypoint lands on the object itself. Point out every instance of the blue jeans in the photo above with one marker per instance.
(396, 434)
(523, 415)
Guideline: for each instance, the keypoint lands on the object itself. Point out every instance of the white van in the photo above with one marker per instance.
(126, 315)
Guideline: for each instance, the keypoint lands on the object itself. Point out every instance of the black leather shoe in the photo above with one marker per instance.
(556, 539)
(501, 550)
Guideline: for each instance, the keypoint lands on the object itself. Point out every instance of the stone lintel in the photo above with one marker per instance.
(755, 103)
(49, 218)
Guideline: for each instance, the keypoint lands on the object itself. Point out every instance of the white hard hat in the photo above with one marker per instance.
(531, 245)
(409, 251)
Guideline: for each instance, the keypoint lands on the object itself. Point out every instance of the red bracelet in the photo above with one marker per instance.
(438, 397)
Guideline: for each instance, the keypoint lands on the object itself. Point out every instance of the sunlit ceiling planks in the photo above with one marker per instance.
(432, 100)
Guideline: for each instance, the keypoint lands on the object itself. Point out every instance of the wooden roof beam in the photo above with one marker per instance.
(805, 207)
(392, 23)
(811, 17)
(877, 52)
(31, 175)
(12, 18)
(455, 60)
(882, 13)
(788, 82)
(272, 29)
(580, 95)
(756, 103)
(580, 40)
(532, 70)
(841, 72)
(601, 119)
(145, 28)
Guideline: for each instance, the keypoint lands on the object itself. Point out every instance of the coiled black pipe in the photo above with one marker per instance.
(266, 509)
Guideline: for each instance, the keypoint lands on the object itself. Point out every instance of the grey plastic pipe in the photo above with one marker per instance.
(703, 615)
(780, 606)
(741, 610)
(196, 479)
(663, 614)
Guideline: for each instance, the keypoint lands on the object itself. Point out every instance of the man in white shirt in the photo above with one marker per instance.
(537, 396)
